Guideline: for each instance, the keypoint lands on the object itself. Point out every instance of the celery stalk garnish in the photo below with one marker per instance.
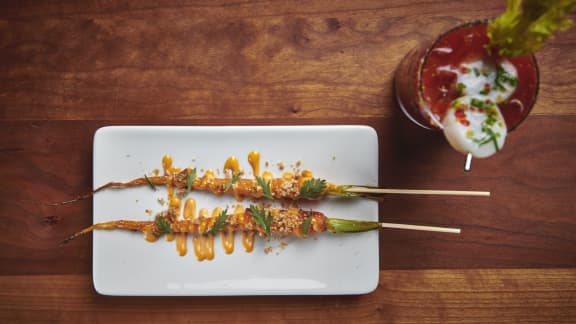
(527, 24)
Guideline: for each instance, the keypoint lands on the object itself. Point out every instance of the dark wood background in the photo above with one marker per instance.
(68, 68)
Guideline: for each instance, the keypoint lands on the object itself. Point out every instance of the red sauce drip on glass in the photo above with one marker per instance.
(466, 44)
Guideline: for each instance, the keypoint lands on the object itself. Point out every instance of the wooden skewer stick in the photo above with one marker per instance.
(364, 190)
(421, 228)
(468, 163)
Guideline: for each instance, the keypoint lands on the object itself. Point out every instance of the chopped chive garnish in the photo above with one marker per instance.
(460, 87)
(476, 103)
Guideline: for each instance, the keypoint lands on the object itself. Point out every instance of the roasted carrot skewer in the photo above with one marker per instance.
(248, 222)
(289, 187)
(265, 222)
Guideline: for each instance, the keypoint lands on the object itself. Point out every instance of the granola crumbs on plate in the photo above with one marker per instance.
(281, 165)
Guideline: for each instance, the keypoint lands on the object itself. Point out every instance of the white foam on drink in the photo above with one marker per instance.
(474, 124)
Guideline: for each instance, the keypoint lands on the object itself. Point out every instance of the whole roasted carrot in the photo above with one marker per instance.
(265, 222)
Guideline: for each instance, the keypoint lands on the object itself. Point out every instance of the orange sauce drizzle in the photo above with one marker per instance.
(170, 237)
(173, 202)
(204, 243)
(254, 160)
(232, 165)
(248, 241)
(228, 237)
(304, 175)
(198, 239)
(150, 237)
(167, 166)
(181, 244)
(288, 176)
(208, 179)
(267, 175)
(190, 208)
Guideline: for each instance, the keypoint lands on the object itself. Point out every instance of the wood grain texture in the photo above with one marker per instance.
(528, 221)
(268, 60)
(409, 296)
(69, 67)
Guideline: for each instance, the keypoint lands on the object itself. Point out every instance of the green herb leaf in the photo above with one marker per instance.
(491, 136)
(150, 183)
(527, 24)
(234, 179)
(162, 225)
(190, 177)
(262, 218)
(265, 187)
(476, 72)
(220, 222)
(460, 87)
(306, 225)
(474, 102)
(312, 188)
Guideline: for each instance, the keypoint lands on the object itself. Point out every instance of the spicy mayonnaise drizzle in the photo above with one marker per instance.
(254, 160)
(202, 220)
(203, 243)
(288, 186)
(231, 166)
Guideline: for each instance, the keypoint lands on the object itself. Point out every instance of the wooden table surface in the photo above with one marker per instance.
(70, 67)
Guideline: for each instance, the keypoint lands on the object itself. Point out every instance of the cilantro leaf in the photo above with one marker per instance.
(220, 222)
(162, 226)
(263, 219)
(234, 179)
(312, 188)
(265, 187)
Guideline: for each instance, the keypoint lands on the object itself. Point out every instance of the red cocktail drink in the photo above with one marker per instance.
(459, 77)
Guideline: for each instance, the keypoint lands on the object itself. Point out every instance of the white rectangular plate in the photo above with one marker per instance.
(125, 264)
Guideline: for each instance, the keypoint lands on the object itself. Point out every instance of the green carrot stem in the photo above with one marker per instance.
(336, 225)
(342, 192)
